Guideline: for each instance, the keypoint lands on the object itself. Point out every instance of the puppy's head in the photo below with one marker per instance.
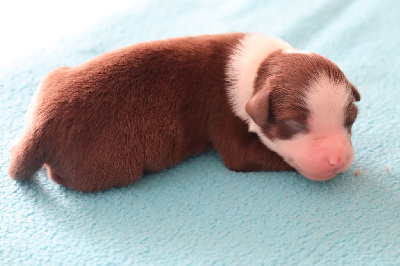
(303, 109)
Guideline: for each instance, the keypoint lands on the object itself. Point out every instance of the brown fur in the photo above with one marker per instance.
(138, 109)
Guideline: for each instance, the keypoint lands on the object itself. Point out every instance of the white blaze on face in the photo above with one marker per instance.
(327, 102)
(325, 149)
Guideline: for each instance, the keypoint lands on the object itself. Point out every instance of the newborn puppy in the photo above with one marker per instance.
(262, 104)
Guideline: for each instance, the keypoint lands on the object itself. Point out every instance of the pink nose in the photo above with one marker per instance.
(336, 162)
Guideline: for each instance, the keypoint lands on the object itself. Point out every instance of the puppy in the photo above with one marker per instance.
(263, 105)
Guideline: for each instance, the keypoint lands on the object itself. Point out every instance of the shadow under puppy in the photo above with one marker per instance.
(262, 104)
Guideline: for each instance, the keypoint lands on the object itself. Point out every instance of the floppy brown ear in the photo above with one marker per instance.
(258, 107)
(356, 93)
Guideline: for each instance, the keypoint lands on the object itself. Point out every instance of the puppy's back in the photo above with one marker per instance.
(140, 108)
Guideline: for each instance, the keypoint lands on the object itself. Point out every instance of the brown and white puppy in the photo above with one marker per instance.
(262, 104)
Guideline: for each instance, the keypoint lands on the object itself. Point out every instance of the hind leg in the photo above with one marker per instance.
(53, 175)
(91, 181)
(56, 177)
(95, 182)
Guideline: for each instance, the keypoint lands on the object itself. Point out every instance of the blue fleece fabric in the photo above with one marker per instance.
(199, 212)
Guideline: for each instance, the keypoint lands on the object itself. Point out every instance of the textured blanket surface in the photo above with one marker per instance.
(199, 212)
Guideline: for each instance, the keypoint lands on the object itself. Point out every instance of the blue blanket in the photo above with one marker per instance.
(199, 212)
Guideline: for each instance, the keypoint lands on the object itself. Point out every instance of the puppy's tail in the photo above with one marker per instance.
(27, 157)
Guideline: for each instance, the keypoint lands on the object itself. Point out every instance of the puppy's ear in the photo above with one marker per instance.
(355, 92)
(258, 107)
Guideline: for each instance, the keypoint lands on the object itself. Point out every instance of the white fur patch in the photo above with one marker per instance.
(242, 70)
(327, 102)
(295, 51)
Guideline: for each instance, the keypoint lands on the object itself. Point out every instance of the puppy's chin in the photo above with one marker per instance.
(321, 175)
(318, 177)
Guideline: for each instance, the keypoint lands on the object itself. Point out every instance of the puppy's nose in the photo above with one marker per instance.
(336, 162)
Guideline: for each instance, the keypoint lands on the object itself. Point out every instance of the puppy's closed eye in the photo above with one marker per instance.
(295, 125)
(290, 127)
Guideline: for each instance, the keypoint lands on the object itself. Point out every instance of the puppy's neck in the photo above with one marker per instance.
(242, 69)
